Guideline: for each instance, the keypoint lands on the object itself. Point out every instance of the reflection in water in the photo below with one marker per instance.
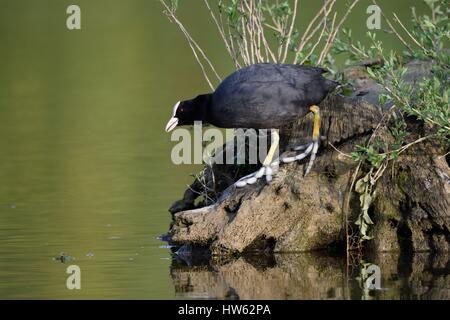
(312, 276)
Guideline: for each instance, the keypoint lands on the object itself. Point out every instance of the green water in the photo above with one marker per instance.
(84, 161)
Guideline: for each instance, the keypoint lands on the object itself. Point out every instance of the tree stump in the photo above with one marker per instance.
(296, 214)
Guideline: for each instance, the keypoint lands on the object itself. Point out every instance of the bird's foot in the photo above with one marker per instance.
(267, 171)
(310, 148)
(306, 148)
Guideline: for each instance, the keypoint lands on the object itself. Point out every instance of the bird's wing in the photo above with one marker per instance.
(268, 93)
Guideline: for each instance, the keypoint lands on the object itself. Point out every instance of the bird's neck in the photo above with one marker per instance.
(202, 106)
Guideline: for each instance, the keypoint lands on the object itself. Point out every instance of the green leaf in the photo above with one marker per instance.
(370, 72)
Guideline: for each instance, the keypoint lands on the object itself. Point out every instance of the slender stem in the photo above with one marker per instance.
(264, 40)
(339, 151)
(193, 45)
(171, 15)
(393, 29)
(291, 28)
(332, 36)
(220, 27)
(244, 36)
(303, 40)
(409, 34)
(324, 22)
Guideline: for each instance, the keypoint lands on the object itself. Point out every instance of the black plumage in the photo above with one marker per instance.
(259, 96)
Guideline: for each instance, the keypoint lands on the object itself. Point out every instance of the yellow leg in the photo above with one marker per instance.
(267, 167)
(310, 148)
(273, 148)
(316, 131)
(316, 134)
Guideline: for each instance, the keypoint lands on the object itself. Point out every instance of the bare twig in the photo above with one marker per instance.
(346, 208)
(409, 34)
(193, 44)
(307, 35)
(220, 27)
(247, 43)
(339, 151)
(332, 36)
(244, 37)
(326, 13)
(444, 155)
(393, 29)
(269, 52)
(291, 28)
(321, 34)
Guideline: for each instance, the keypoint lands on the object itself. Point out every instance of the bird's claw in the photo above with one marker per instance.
(299, 156)
(252, 178)
(310, 148)
(268, 171)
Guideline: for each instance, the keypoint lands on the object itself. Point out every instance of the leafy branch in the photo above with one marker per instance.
(257, 31)
(427, 101)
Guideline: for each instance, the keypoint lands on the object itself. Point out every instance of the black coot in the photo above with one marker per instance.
(260, 96)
